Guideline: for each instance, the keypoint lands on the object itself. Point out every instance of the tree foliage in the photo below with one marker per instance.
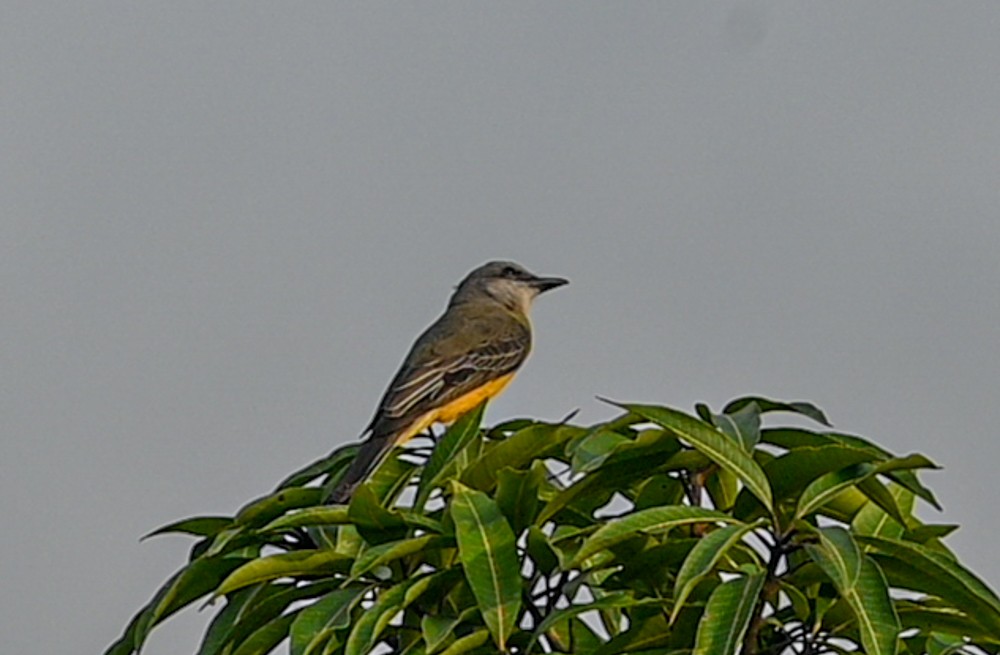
(655, 532)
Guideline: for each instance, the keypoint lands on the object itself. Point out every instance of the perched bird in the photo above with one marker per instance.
(465, 357)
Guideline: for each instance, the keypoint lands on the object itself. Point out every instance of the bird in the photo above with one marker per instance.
(467, 356)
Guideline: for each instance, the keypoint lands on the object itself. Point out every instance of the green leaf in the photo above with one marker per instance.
(792, 438)
(367, 629)
(388, 479)
(533, 442)
(766, 405)
(873, 521)
(727, 615)
(308, 517)
(486, 546)
(922, 534)
(468, 642)
(384, 553)
(838, 555)
(611, 601)
(464, 430)
(315, 624)
(878, 623)
(265, 638)
(648, 521)
(861, 584)
(936, 574)
(742, 425)
(236, 605)
(301, 562)
(130, 642)
(909, 480)
(592, 450)
(333, 463)
(651, 632)
(651, 450)
(375, 523)
(191, 583)
(703, 558)
(540, 550)
(437, 630)
(204, 526)
(723, 488)
(793, 471)
(713, 444)
(517, 494)
(878, 494)
(932, 618)
(264, 510)
(826, 488)
(268, 601)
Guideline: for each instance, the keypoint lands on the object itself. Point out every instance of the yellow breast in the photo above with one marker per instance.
(451, 412)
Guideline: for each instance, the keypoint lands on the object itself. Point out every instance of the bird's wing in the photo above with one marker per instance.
(449, 373)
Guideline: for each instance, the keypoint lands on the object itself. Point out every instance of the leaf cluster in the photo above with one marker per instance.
(656, 532)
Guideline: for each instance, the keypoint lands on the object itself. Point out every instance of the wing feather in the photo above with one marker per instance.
(438, 381)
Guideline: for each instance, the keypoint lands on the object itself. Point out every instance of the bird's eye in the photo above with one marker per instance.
(511, 272)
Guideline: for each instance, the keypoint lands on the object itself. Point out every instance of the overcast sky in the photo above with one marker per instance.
(223, 224)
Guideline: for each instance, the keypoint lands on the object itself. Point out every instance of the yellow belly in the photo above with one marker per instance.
(454, 410)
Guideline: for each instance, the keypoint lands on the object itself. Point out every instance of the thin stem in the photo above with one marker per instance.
(781, 547)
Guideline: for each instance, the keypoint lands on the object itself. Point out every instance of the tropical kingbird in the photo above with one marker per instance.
(465, 357)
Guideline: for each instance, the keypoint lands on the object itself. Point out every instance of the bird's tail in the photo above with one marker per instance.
(370, 455)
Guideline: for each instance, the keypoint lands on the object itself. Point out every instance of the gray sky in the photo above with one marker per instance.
(222, 225)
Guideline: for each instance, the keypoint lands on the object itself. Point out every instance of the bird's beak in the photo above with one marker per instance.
(546, 283)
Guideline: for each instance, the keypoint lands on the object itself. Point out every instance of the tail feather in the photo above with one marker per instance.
(368, 458)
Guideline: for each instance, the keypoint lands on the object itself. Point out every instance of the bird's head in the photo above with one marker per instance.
(507, 283)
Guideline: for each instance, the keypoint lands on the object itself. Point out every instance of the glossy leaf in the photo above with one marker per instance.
(827, 487)
(612, 476)
(713, 444)
(225, 619)
(383, 553)
(205, 526)
(467, 643)
(742, 425)
(614, 600)
(375, 523)
(487, 547)
(793, 471)
(304, 562)
(873, 521)
(859, 582)
(191, 583)
(267, 603)
(645, 634)
(727, 615)
(766, 405)
(456, 438)
(878, 623)
(533, 442)
(702, 560)
(649, 521)
(838, 555)
(266, 509)
(517, 494)
(941, 576)
(335, 461)
(595, 448)
(315, 624)
(265, 638)
(437, 630)
(368, 628)
(308, 517)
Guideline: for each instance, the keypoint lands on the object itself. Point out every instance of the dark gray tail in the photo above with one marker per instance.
(368, 458)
